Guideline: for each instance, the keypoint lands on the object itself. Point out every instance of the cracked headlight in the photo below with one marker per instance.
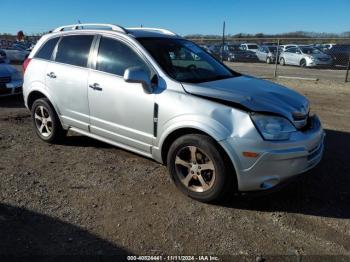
(273, 127)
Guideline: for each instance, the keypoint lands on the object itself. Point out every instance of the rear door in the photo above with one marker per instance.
(67, 79)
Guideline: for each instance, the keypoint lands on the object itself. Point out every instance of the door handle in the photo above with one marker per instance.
(51, 75)
(96, 86)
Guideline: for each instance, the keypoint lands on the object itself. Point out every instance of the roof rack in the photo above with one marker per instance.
(77, 26)
(164, 31)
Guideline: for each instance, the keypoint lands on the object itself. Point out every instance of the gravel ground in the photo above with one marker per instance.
(86, 197)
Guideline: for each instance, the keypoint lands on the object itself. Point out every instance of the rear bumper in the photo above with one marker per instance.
(12, 88)
(277, 161)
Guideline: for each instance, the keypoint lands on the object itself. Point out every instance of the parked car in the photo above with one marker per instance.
(250, 47)
(3, 57)
(324, 47)
(235, 53)
(10, 78)
(267, 54)
(16, 53)
(340, 54)
(157, 94)
(305, 56)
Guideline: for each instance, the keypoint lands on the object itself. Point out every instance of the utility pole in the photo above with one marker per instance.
(223, 41)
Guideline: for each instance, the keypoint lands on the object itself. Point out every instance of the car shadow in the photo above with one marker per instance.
(24, 233)
(15, 101)
(324, 191)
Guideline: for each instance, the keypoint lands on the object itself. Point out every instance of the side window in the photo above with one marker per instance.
(74, 50)
(115, 57)
(46, 50)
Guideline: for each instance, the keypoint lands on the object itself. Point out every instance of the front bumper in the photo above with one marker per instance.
(12, 88)
(278, 161)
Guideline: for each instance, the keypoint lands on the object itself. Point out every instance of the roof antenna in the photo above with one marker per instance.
(141, 25)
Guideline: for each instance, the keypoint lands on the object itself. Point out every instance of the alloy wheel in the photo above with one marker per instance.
(43, 121)
(195, 169)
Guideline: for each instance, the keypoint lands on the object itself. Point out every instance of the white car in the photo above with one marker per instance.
(250, 47)
(305, 56)
(16, 54)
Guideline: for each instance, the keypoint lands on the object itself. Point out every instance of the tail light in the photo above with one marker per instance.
(25, 64)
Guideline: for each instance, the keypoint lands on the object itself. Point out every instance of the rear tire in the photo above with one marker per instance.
(268, 60)
(303, 63)
(199, 168)
(46, 122)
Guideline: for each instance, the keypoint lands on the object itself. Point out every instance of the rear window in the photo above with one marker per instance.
(74, 50)
(46, 50)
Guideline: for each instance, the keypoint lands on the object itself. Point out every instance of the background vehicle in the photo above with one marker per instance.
(16, 53)
(3, 57)
(174, 103)
(285, 47)
(10, 79)
(250, 47)
(340, 54)
(237, 54)
(324, 47)
(305, 56)
(267, 53)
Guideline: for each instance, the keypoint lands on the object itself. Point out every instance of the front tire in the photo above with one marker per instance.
(303, 63)
(268, 60)
(197, 166)
(46, 122)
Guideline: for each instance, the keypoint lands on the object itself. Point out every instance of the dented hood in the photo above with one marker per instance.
(254, 95)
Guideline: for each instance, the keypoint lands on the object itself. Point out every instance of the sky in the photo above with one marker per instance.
(181, 16)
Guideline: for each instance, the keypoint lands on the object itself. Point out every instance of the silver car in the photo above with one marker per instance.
(305, 56)
(156, 94)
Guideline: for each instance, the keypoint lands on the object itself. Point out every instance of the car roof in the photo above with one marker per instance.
(136, 32)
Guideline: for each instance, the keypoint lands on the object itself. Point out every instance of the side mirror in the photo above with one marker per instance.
(138, 75)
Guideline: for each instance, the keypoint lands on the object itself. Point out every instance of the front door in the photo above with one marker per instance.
(120, 111)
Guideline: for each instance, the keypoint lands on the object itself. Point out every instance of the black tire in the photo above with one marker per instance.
(268, 60)
(207, 148)
(303, 63)
(282, 62)
(52, 132)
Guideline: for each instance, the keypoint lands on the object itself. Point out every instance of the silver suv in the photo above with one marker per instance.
(156, 94)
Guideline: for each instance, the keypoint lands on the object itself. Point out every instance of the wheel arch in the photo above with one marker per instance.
(37, 94)
(175, 134)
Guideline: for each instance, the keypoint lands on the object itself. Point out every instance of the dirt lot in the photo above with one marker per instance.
(86, 197)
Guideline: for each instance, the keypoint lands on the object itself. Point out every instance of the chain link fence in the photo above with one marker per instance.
(295, 58)
(299, 58)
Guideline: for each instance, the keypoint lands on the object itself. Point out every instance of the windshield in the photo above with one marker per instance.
(184, 61)
(310, 50)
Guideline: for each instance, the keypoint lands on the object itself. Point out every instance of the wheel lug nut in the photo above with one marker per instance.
(192, 172)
